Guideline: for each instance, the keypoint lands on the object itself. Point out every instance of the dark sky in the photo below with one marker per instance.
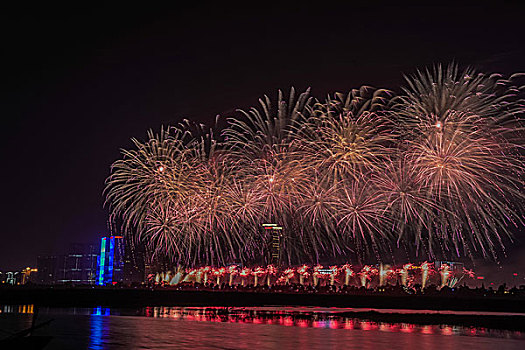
(77, 87)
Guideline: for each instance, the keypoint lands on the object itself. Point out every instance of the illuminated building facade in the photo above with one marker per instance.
(11, 278)
(28, 275)
(77, 267)
(275, 248)
(110, 268)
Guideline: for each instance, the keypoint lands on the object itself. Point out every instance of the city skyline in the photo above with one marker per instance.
(264, 175)
(83, 99)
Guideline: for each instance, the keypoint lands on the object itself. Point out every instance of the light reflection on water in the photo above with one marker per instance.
(311, 318)
(247, 328)
(17, 309)
(98, 326)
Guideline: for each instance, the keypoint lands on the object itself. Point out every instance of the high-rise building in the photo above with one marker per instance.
(275, 247)
(79, 266)
(28, 275)
(110, 268)
(11, 278)
(134, 264)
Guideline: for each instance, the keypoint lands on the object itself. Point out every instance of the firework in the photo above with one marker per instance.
(257, 272)
(404, 274)
(334, 271)
(469, 273)
(204, 272)
(426, 270)
(445, 273)
(177, 277)
(245, 273)
(270, 271)
(463, 141)
(218, 273)
(345, 139)
(437, 169)
(384, 272)
(285, 276)
(303, 273)
(316, 275)
(366, 274)
(348, 273)
(433, 94)
(232, 271)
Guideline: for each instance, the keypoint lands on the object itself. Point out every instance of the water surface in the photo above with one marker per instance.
(242, 328)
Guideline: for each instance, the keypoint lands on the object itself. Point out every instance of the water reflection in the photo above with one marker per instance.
(101, 326)
(17, 309)
(98, 328)
(100, 311)
(313, 319)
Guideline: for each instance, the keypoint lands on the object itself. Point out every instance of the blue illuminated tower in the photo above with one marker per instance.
(111, 260)
(101, 262)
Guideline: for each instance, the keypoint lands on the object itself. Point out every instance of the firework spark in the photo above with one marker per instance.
(438, 169)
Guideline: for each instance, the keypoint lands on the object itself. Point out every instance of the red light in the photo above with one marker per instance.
(447, 331)
(288, 321)
(514, 274)
(427, 330)
(407, 328)
(481, 278)
(302, 323)
(365, 326)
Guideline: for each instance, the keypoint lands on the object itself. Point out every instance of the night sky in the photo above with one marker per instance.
(77, 87)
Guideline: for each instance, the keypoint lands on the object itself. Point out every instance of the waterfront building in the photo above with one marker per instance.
(28, 275)
(134, 265)
(11, 278)
(79, 266)
(275, 245)
(110, 267)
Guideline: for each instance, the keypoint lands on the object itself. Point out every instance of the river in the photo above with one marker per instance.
(242, 328)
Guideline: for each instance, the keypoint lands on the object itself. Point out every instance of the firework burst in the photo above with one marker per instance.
(438, 169)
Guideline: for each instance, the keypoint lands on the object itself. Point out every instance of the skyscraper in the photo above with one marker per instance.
(275, 248)
(79, 266)
(134, 264)
(110, 261)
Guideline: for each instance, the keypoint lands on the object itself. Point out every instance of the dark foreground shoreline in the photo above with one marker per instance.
(233, 300)
(141, 297)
